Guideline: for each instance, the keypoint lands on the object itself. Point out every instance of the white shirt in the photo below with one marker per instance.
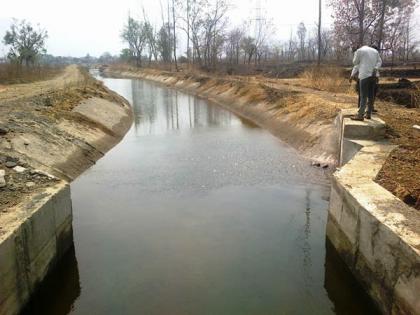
(366, 62)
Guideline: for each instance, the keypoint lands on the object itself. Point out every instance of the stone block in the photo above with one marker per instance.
(349, 222)
(373, 129)
(336, 200)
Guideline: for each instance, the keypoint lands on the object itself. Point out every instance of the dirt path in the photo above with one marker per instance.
(70, 76)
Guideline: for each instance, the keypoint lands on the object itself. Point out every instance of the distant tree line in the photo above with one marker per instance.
(211, 42)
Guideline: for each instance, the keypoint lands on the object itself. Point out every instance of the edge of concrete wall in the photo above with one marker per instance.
(35, 234)
(375, 233)
(39, 233)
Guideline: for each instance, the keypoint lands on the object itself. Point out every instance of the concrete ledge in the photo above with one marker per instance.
(354, 135)
(369, 129)
(33, 237)
(376, 234)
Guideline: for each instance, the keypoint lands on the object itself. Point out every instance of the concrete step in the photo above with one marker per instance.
(369, 129)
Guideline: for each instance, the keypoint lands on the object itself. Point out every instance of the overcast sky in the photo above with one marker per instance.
(78, 27)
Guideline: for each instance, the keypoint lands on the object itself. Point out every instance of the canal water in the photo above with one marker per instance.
(197, 211)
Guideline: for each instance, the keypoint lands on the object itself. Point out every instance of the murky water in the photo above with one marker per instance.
(198, 212)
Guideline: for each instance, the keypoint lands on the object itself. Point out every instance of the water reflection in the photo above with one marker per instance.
(343, 290)
(157, 111)
(306, 248)
(58, 293)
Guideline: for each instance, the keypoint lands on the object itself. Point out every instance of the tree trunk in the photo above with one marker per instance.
(173, 18)
(361, 23)
(169, 36)
(381, 24)
(319, 32)
(188, 31)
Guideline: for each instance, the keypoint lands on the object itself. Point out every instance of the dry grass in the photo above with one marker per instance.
(13, 74)
(325, 78)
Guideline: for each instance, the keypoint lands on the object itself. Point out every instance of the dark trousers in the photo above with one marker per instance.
(367, 89)
(357, 86)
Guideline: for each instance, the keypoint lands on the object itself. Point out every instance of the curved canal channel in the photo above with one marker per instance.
(198, 212)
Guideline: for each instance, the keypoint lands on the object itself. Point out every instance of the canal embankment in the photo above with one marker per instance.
(288, 112)
(376, 234)
(51, 132)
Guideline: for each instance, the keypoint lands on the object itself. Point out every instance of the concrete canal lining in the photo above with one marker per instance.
(374, 232)
(36, 235)
(37, 232)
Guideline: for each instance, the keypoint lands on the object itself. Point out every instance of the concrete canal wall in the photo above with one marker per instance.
(374, 232)
(39, 232)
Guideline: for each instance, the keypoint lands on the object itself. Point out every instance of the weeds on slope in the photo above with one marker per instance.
(14, 74)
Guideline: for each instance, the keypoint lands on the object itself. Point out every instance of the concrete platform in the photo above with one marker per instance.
(369, 129)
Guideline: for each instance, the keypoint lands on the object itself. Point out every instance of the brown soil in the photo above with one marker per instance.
(20, 185)
(400, 173)
(296, 99)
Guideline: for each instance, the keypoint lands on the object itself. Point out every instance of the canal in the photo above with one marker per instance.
(197, 211)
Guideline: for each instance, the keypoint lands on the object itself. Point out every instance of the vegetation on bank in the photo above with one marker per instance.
(314, 107)
(26, 47)
(13, 74)
(212, 43)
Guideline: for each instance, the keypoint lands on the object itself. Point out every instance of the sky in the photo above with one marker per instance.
(81, 27)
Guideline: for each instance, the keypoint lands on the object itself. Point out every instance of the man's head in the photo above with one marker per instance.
(375, 47)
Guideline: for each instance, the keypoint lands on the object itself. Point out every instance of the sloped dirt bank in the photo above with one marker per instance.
(304, 120)
(54, 126)
(50, 132)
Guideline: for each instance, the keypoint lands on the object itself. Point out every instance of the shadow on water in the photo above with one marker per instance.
(344, 291)
(63, 282)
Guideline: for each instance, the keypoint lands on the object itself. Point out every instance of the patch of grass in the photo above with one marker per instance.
(325, 78)
(14, 74)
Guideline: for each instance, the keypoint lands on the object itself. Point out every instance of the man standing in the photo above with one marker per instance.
(366, 63)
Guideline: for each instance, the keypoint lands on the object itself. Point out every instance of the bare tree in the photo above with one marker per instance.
(301, 33)
(319, 32)
(164, 44)
(233, 45)
(150, 38)
(26, 43)
(249, 48)
(213, 26)
(174, 35)
(134, 34)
